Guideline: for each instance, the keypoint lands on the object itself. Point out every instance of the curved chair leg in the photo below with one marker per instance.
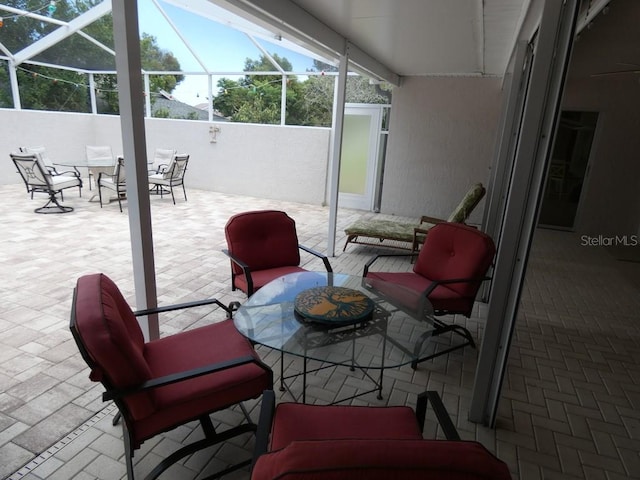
(53, 206)
(128, 452)
(118, 193)
(99, 193)
(441, 328)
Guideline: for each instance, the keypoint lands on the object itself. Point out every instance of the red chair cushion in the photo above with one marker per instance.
(191, 398)
(454, 250)
(441, 298)
(262, 277)
(294, 421)
(112, 336)
(262, 239)
(376, 459)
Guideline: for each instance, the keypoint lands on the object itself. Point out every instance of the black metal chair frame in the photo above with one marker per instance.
(115, 179)
(211, 437)
(36, 172)
(432, 397)
(173, 179)
(440, 327)
(247, 271)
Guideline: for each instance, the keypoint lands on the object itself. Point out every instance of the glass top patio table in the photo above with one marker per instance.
(396, 333)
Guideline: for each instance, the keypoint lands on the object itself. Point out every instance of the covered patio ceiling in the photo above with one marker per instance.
(390, 39)
(409, 37)
(384, 39)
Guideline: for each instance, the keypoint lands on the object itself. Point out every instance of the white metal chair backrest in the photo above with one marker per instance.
(177, 168)
(99, 156)
(162, 157)
(119, 173)
(40, 151)
(32, 169)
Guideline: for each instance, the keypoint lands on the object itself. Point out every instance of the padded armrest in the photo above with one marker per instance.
(373, 259)
(236, 260)
(427, 219)
(324, 258)
(267, 409)
(448, 281)
(180, 306)
(245, 268)
(178, 377)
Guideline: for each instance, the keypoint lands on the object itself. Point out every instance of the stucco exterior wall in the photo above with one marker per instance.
(267, 161)
(442, 140)
(609, 205)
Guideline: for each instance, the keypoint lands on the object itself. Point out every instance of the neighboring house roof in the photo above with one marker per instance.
(178, 109)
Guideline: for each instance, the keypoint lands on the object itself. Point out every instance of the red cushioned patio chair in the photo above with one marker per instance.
(450, 268)
(161, 384)
(263, 245)
(334, 442)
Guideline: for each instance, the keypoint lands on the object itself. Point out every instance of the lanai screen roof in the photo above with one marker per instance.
(178, 26)
(385, 39)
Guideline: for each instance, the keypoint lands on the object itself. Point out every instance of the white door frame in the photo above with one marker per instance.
(534, 131)
(365, 201)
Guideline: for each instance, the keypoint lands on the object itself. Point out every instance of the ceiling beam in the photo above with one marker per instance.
(290, 20)
(63, 32)
(588, 11)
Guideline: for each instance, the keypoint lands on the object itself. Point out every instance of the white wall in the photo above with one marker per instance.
(63, 134)
(610, 204)
(267, 161)
(442, 140)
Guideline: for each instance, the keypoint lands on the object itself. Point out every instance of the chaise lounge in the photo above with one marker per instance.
(408, 236)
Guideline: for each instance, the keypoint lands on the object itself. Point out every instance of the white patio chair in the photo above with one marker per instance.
(173, 176)
(161, 159)
(51, 166)
(37, 178)
(115, 182)
(99, 159)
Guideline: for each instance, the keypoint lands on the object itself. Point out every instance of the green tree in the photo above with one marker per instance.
(153, 58)
(319, 90)
(50, 88)
(231, 96)
(257, 98)
(61, 89)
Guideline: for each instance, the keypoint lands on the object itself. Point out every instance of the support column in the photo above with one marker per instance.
(130, 87)
(339, 96)
(147, 95)
(283, 101)
(210, 96)
(15, 88)
(92, 93)
(531, 154)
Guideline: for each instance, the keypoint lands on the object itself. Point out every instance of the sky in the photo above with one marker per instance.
(217, 46)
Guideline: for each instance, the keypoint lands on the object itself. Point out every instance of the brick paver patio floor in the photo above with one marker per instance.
(570, 405)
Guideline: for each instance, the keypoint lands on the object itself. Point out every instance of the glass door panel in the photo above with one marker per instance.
(568, 169)
(358, 165)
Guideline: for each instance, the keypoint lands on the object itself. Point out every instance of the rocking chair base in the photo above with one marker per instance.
(52, 206)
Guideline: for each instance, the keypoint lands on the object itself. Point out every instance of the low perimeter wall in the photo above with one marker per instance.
(266, 161)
